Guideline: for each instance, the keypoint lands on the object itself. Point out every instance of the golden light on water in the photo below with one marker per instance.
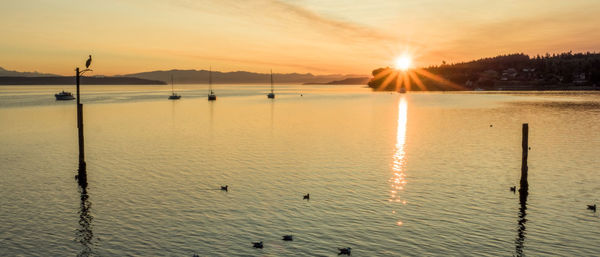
(398, 179)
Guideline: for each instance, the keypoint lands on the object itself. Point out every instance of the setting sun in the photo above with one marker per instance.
(403, 62)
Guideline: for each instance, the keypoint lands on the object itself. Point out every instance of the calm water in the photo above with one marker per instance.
(388, 174)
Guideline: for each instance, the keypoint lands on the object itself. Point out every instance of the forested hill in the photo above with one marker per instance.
(513, 72)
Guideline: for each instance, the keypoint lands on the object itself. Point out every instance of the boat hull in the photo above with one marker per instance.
(64, 97)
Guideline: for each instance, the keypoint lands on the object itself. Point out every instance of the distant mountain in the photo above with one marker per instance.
(182, 77)
(10, 73)
(201, 76)
(13, 80)
(348, 81)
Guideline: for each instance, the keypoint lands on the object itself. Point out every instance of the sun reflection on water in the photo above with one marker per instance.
(398, 179)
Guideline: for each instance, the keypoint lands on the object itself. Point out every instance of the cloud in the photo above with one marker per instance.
(560, 30)
(288, 16)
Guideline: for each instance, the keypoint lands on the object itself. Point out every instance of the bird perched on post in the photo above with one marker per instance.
(88, 62)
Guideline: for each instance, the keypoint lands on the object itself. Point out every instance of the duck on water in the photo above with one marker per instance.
(346, 251)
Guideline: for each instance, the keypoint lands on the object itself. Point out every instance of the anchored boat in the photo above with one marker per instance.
(64, 96)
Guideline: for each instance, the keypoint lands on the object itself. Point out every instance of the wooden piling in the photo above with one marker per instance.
(81, 172)
(525, 145)
(523, 193)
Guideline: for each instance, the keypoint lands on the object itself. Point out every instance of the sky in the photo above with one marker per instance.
(316, 36)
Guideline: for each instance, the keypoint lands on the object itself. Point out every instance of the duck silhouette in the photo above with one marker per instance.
(513, 189)
(225, 188)
(257, 244)
(345, 251)
(306, 196)
(592, 207)
(288, 238)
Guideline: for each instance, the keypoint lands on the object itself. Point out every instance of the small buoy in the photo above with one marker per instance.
(257, 244)
(225, 188)
(306, 196)
(288, 238)
(345, 251)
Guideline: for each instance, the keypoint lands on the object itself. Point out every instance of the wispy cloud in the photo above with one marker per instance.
(282, 14)
(560, 30)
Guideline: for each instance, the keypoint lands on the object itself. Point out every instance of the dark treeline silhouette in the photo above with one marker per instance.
(565, 71)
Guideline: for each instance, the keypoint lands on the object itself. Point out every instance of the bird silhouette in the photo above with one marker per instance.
(88, 62)
(307, 197)
(592, 207)
(257, 244)
(513, 189)
(288, 238)
(346, 251)
(225, 188)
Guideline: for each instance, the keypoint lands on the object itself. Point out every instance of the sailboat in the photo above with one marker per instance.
(272, 94)
(211, 94)
(173, 96)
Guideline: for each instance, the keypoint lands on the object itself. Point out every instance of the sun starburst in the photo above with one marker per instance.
(403, 62)
(404, 77)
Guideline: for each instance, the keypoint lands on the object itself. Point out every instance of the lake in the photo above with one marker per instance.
(416, 174)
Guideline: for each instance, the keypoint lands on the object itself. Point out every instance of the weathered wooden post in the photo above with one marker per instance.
(81, 172)
(525, 145)
(523, 192)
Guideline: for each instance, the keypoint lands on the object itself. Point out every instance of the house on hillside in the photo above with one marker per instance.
(509, 74)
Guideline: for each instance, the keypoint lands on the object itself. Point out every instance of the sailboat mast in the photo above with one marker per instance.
(271, 81)
(210, 79)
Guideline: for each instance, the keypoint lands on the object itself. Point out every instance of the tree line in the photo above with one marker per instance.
(509, 72)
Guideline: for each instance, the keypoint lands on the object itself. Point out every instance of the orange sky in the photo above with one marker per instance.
(321, 37)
